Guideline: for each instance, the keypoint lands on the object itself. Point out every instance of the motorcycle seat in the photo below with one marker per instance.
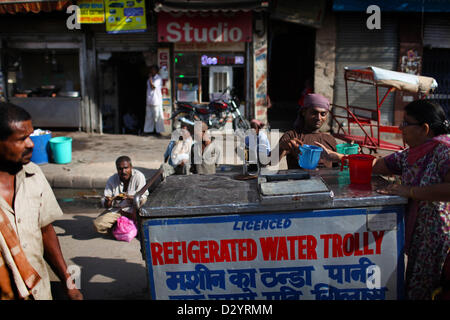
(202, 108)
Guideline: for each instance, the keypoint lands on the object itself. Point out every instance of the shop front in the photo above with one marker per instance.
(212, 54)
(201, 76)
(43, 64)
(44, 78)
(122, 68)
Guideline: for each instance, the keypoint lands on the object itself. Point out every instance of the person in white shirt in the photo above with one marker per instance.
(257, 145)
(154, 118)
(259, 139)
(119, 193)
(177, 156)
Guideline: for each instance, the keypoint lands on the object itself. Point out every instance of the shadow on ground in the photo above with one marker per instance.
(81, 227)
(109, 269)
(107, 279)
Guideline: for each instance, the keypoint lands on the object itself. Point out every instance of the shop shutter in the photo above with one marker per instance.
(145, 41)
(436, 64)
(436, 56)
(356, 45)
(436, 32)
(44, 41)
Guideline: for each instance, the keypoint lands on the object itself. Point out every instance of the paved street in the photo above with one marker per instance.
(110, 269)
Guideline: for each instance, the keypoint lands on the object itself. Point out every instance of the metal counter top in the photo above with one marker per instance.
(221, 193)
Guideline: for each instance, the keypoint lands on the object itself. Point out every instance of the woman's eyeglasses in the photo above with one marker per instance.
(407, 124)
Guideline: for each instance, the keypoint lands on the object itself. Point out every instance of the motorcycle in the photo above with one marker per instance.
(215, 114)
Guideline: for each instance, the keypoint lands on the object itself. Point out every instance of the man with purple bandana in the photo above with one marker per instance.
(310, 118)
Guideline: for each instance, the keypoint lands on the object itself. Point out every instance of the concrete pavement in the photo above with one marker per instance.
(93, 157)
(108, 269)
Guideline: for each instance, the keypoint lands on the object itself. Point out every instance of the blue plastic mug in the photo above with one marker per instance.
(309, 157)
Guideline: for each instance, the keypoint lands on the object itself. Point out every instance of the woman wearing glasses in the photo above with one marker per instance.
(424, 168)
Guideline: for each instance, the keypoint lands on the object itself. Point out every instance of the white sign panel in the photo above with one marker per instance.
(316, 255)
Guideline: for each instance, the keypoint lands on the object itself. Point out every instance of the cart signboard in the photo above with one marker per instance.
(333, 254)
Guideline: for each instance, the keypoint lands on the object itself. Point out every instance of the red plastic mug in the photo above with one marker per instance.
(360, 167)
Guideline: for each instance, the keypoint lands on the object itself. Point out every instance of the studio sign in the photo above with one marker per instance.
(203, 29)
(220, 33)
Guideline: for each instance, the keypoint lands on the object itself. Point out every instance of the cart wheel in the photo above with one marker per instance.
(365, 150)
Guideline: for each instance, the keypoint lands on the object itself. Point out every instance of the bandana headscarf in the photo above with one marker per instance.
(316, 100)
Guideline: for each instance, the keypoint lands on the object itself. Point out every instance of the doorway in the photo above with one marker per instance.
(220, 78)
(124, 84)
(290, 67)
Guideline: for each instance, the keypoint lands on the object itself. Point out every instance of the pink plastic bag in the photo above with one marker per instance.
(125, 230)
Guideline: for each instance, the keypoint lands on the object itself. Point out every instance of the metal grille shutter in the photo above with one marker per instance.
(144, 41)
(359, 46)
(436, 64)
(436, 32)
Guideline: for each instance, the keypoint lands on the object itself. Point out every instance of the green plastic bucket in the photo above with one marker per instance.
(61, 148)
(347, 148)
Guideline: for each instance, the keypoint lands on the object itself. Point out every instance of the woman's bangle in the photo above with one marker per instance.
(411, 192)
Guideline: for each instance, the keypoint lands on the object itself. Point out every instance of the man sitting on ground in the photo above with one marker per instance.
(119, 193)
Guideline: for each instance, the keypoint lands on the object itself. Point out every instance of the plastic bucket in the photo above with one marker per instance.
(41, 148)
(347, 148)
(360, 167)
(343, 178)
(310, 156)
(61, 149)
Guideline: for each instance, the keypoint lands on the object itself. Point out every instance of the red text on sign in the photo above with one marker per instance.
(289, 248)
(205, 251)
(352, 244)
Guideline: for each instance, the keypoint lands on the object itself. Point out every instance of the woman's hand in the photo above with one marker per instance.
(396, 189)
(329, 154)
